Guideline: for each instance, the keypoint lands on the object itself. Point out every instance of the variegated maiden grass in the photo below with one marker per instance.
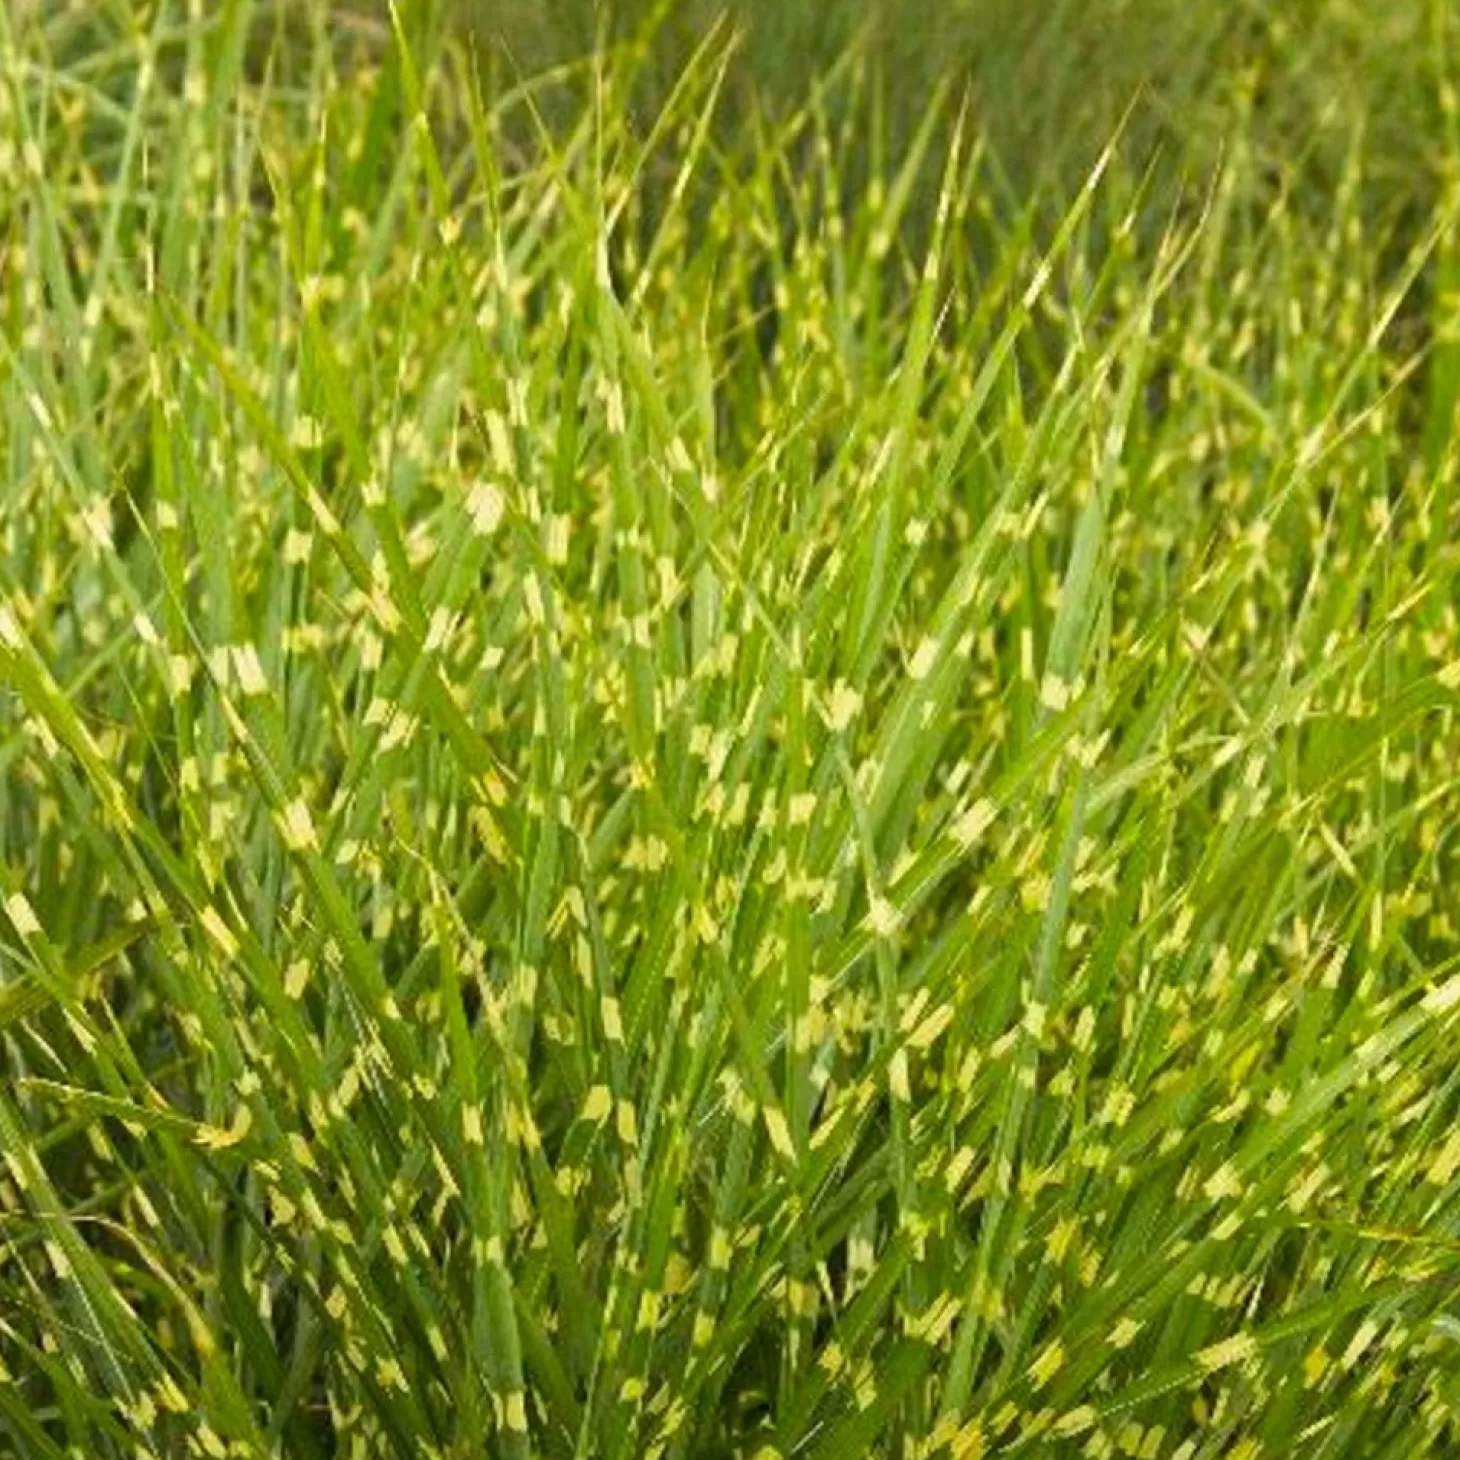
(644, 815)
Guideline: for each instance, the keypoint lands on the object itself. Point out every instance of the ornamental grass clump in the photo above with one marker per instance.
(652, 804)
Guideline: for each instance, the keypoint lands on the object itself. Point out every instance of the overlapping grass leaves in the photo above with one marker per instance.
(639, 822)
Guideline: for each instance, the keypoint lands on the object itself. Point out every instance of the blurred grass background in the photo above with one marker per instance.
(1298, 82)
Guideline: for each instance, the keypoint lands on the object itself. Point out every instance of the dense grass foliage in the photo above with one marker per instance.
(646, 813)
